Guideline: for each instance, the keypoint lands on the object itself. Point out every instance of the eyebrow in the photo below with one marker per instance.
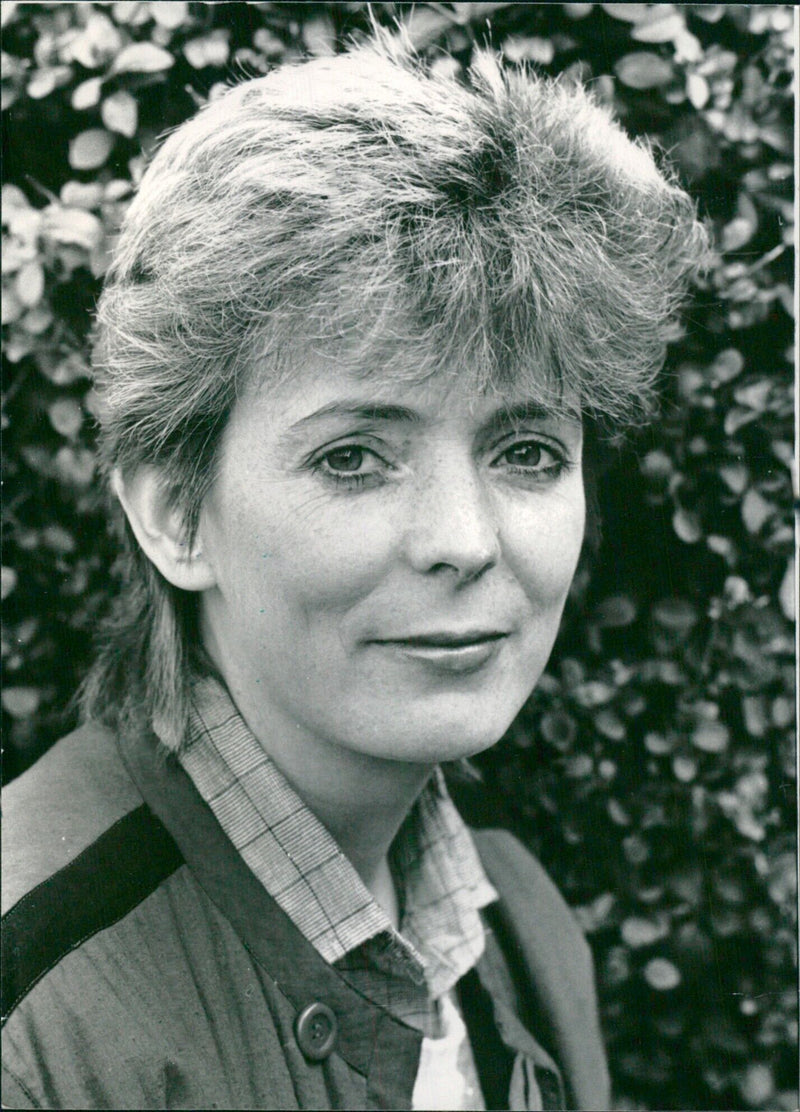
(520, 412)
(506, 415)
(358, 411)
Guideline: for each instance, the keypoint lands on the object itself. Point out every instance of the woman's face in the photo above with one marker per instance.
(391, 561)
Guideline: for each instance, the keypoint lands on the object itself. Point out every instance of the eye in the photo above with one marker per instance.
(351, 465)
(532, 457)
(528, 454)
(345, 460)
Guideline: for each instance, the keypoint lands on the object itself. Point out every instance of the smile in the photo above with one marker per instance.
(452, 653)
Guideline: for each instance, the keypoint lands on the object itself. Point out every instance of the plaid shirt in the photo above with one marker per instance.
(442, 883)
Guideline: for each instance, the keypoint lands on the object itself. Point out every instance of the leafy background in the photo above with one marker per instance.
(653, 768)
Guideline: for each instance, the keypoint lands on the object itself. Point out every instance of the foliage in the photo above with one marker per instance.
(653, 768)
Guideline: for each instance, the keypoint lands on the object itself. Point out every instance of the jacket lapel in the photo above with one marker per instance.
(543, 939)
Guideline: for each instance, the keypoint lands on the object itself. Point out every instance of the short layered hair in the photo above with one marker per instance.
(403, 224)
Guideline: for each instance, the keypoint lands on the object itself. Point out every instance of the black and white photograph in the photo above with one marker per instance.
(399, 441)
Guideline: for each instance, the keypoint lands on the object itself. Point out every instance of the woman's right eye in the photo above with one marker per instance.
(351, 465)
(345, 460)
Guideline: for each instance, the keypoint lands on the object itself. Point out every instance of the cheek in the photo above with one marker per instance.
(303, 556)
(543, 543)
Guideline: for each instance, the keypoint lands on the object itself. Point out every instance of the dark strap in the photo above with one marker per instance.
(493, 1059)
(102, 885)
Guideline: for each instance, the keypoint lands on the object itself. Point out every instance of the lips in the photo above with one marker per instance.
(446, 653)
(445, 640)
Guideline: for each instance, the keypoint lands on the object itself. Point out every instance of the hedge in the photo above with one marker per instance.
(653, 768)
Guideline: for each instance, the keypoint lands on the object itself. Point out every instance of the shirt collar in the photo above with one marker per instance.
(300, 865)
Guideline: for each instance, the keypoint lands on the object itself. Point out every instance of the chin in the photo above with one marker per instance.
(450, 739)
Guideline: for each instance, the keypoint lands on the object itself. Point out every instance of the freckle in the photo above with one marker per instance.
(266, 556)
(262, 610)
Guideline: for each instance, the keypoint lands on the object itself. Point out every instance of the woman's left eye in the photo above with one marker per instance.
(345, 460)
(532, 456)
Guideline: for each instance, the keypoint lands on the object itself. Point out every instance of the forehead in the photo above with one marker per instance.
(323, 390)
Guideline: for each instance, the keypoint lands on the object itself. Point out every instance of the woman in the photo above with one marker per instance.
(360, 322)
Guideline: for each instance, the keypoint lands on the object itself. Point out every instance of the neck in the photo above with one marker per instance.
(361, 799)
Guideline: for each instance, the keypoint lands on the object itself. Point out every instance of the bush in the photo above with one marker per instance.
(653, 768)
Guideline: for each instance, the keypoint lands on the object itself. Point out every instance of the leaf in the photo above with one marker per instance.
(518, 48)
(66, 416)
(169, 13)
(755, 715)
(37, 320)
(643, 70)
(595, 915)
(8, 581)
(142, 57)
(593, 693)
(735, 476)
(11, 308)
(687, 526)
(130, 11)
(628, 13)
(685, 768)
(737, 233)
(711, 737)
(210, 50)
(678, 614)
(81, 194)
(657, 465)
(657, 744)
(662, 975)
(558, 729)
(90, 149)
(29, 284)
(610, 725)
(577, 11)
(787, 591)
(697, 90)
(754, 395)
(20, 702)
(319, 37)
(97, 44)
(662, 24)
(12, 196)
(727, 365)
(120, 113)
(72, 226)
(737, 417)
(268, 43)
(615, 612)
(44, 81)
(87, 94)
(638, 931)
(75, 465)
(758, 1085)
(782, 711)
(63, 371)
(756, 510)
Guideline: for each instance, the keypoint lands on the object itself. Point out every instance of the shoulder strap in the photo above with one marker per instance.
(102, 885)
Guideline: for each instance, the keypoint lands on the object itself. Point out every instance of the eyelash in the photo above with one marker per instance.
(348, 480)
(357, 481)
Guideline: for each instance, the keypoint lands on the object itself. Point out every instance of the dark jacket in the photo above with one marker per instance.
(144, 966)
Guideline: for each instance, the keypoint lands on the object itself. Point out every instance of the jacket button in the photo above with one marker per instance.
(315, 1030)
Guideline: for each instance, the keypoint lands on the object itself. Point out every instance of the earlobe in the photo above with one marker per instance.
(158, 527)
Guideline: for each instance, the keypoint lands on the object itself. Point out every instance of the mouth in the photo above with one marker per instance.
(447, 640)
(449, 652)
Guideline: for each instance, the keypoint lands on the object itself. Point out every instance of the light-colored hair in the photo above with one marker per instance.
(402, 223)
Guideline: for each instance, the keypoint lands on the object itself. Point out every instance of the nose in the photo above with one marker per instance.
(452, 528)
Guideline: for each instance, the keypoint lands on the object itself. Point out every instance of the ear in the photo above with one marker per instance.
(159, 529)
